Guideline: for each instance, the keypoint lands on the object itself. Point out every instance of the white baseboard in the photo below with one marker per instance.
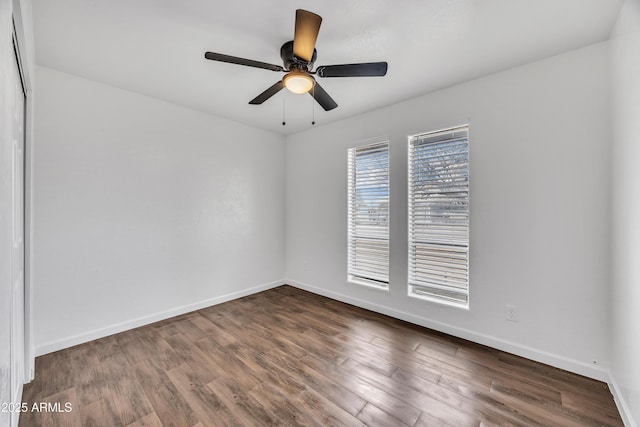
(576, 366)
(621, 403)
(52, 346)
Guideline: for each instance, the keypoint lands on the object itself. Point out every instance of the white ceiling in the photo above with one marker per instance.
(156, 47)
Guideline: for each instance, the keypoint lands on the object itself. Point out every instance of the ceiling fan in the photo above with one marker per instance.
(298, 57)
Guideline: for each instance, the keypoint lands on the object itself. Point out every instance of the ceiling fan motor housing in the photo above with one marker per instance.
(292, 62)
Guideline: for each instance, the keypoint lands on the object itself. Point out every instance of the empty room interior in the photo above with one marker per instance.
(416, 213)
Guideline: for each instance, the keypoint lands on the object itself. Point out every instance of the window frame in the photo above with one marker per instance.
(352, 276)
(424, 290)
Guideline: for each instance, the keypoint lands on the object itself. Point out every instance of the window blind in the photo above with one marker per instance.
(439, 215)
(368, 214)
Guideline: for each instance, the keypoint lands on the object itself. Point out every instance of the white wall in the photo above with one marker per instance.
(539, 213)
(144, 209)
(625, 60)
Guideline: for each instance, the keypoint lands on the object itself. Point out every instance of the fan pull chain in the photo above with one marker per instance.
(283, 122)
(313, 106)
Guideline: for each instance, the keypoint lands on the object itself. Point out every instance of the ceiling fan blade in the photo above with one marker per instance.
(241, 61)
(306, 33)
(323, 98)
(277, 87)
(368, 69)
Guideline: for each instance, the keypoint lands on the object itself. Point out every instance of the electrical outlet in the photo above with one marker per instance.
(511, 313)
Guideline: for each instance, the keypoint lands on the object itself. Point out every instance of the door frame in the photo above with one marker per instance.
(18, 346)
(22, 51)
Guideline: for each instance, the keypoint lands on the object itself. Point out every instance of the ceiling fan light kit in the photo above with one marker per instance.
(298, 82)
(298, 57)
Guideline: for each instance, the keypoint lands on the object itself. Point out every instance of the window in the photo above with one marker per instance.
(439, 216)
(368, 216)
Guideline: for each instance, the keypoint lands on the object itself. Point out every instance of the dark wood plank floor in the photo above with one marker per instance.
(288, 357)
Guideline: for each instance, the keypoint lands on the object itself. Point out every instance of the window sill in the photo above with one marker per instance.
(356, 282)
(435, 300)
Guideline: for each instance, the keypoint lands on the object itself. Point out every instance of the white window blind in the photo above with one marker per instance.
(368, 216)
(439, 216)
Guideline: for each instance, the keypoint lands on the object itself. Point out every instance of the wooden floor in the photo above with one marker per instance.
(288, 357)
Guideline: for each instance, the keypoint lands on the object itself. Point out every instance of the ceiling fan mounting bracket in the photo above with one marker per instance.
(292, 62)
